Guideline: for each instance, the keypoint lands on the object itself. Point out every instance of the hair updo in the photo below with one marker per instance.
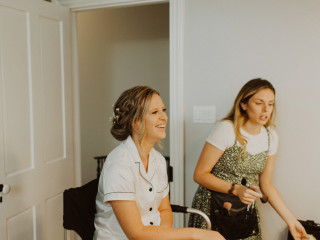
(130, 108)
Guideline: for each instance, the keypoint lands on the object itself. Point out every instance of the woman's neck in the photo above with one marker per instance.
(144, 149)
(253, 129)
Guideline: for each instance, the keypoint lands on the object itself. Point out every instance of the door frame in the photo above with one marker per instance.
(176, 8)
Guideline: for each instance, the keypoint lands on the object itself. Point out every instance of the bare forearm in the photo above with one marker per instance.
(129, 219)
(277, 203)
(166, 218)
(210, 155)
(295, 227)
(212, 182)
(161, 233)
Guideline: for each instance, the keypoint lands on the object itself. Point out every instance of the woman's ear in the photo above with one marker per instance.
(243, 106)
(136, 126)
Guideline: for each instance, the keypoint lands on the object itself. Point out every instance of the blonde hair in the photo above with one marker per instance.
(238, 116)
(131, 107)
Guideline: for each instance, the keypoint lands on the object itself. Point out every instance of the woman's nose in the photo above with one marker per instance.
(265, 107)
(164, 116)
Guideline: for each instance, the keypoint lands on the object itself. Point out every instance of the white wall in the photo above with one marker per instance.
(228, 43)
(118, 49)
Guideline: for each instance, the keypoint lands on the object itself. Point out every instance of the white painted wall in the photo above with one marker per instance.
(118, 49)
(228, 43)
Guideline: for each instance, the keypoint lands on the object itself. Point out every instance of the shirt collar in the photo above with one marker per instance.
(131, 146)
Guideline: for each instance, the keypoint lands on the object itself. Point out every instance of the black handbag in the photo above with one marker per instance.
(240, 221)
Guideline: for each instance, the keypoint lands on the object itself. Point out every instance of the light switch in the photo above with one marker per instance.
(204, 114)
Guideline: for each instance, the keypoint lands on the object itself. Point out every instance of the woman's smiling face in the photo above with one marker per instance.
(155, 120)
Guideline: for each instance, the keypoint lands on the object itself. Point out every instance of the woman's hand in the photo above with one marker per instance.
(297, 230)
(247, 195)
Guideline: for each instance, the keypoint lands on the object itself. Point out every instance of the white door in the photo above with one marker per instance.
(36, 146)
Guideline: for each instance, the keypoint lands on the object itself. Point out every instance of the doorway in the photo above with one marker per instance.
(118, 48)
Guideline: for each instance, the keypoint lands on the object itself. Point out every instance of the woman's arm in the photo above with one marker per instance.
(165, 212)
(130, 221)
(275, 200)
(202, 175)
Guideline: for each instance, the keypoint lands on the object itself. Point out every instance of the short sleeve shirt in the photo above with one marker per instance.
(222, 136)
(124, 178)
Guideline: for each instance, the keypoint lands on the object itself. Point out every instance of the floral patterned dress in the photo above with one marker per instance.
(230, 169)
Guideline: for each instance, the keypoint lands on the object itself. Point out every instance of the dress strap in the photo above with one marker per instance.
(235, 140)
(268, 132)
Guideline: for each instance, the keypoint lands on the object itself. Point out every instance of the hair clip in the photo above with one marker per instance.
(114, 119)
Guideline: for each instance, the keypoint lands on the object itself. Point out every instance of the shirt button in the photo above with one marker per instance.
(150, 209)
(151, 223)
(150, 189)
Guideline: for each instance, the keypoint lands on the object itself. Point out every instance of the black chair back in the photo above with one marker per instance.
(79, 208)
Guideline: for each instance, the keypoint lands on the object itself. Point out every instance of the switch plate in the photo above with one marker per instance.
(204, 114)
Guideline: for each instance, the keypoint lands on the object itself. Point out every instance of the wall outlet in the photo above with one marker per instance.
(204, 114)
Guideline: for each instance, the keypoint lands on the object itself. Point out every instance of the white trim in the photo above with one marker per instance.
(76, 101)
(83, 5)
(177, 106)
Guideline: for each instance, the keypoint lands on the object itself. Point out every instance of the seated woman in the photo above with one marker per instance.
(132, 200)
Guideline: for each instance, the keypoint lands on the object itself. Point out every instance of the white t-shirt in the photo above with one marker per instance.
(222, 136)
(124, 178)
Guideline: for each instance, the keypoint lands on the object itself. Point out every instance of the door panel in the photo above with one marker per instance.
(36, 149)
(17, 131)
(53, 208)
(53, 82)
(21, 226)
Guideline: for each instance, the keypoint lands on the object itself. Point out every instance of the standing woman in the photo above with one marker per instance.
(237, 158)
(132, 200)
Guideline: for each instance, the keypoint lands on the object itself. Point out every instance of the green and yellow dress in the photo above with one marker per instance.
(230, 169)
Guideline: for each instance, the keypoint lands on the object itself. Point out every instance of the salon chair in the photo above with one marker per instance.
(79, 210)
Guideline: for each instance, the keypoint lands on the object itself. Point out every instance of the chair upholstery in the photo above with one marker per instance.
(79, 209)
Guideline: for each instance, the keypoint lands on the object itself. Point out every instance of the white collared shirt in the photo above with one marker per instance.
(124, 178)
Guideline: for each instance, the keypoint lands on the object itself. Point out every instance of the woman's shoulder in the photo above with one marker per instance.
(119, 155)
(159, 161)
(272, 131)
(158, 156)
(157, 153)
(274, 140)
(224, 126)
(222, 135)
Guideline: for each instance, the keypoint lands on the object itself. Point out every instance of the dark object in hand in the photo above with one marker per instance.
(264, 198)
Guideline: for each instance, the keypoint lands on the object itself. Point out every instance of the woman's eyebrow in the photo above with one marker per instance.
(259, 99)
(156, 108)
